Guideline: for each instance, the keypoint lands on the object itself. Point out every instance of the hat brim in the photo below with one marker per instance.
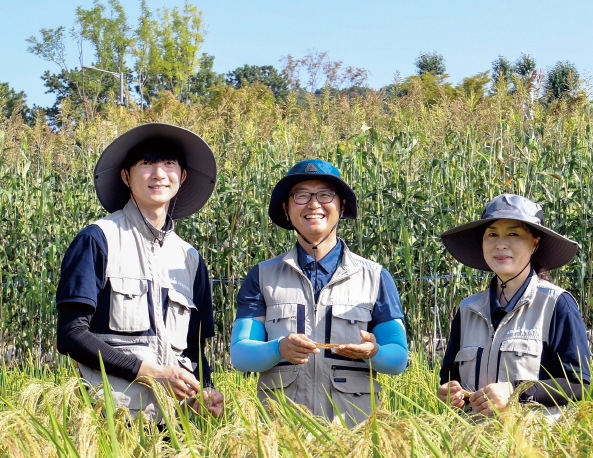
(199, 162)
(283, 187)
(465, 245)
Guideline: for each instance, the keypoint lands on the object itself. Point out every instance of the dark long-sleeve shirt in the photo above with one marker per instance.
(564, 356)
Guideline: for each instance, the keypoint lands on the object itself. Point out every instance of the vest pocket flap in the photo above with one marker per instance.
(527, 346)
(279, 311)
(347, 382)
(275, 379)
(179, 298)
(466, 354)
(352, 313)
(129, 286)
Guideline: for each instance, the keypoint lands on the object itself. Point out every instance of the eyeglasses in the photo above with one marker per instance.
(302, 198)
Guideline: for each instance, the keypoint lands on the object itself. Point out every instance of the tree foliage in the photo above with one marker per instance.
(266, 75)
(12, 102)
(524, 65)
(319, 68)
(474, 86)
(502, 70)
(430, 63)
(504, 74)
(562, 81)
(160, 54)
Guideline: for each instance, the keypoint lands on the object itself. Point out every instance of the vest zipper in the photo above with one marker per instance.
(493, 333)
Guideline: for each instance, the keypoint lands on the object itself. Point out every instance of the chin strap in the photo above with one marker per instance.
(314, 246)
(160, 237)
(503, 284)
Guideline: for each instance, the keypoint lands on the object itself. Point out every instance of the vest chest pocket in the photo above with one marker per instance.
(178, 316)
(347, 322)
(128, 310)
(469, 360)
(281, 320)
(520, 359)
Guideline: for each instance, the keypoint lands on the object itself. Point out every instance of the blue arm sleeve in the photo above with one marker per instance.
(392, 356)
(249, 350)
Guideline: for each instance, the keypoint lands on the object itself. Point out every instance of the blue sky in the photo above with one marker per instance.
(380, 36)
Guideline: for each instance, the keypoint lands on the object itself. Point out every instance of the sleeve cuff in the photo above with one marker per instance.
(277, 346)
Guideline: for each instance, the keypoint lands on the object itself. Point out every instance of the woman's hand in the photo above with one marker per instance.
(367, 348)
(296, 348)
(452, 394)
(494, 395)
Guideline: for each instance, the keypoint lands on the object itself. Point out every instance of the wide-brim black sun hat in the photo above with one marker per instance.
(200, 165)
(311, 169)
(465, 242)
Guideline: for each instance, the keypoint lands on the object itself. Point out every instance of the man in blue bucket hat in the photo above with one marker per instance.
(313, 320)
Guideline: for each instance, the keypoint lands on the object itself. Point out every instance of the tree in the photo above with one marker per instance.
(562, 81)
(12, 101)
(524, 66)
(320, 68)
(164, 52)
(433, 87)
(109, 37)
(174, 56)
(205, 80)
(430, 63)
(474, 86)
(502, 70)
(265, 75)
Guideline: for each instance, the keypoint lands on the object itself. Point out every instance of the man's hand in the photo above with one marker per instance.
(494, 395)
(212, 401)
(182, 382)
(452, 394)
(367, 348)
(296, 348)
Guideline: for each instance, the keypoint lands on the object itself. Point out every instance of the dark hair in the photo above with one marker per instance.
(154, 150)
(542, 272)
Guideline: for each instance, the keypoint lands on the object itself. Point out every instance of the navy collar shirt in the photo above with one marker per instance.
(326, 267)
(498, 312)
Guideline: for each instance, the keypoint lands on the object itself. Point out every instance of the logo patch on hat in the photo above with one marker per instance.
(311, 168)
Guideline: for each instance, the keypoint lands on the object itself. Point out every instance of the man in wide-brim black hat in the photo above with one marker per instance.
(132, 292)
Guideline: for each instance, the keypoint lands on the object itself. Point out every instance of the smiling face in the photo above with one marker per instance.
(508, 245)
(313, 220)
(154, 184)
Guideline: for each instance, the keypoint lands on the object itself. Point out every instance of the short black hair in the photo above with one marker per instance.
(154, 150)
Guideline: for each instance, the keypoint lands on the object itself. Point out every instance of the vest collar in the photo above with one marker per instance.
(146, 229)
(348, 267)
(482, 305)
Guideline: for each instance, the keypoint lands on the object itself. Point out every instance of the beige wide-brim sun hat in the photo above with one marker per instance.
(465, 242)
(200, 165)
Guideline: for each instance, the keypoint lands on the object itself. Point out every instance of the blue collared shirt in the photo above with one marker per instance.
(251, 304)
(497, 312)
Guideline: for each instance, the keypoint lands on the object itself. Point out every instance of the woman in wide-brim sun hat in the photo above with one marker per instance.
(523, 327)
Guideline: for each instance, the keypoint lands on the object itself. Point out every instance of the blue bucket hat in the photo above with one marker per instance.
(465, 242)
(311, 169)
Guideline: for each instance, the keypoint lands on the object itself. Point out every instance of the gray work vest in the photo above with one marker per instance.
(138, 270)
(512, 352)
(343, 309)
